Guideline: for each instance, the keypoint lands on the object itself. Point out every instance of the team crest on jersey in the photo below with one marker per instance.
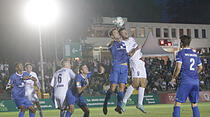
(78, 83)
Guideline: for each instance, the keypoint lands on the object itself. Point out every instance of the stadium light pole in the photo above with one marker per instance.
(39, 13)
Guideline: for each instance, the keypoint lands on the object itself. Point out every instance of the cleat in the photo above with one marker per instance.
(118, 109)
(141, 108)
(123, 106)
(105, 109)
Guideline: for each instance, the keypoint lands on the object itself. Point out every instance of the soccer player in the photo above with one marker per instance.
(82, 81)
(29, 87)
(119, 72)
(60, 83)
(138, 70)
(18, 91)
(189, 63)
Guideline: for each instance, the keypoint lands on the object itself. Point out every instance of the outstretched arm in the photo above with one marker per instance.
(134, 50)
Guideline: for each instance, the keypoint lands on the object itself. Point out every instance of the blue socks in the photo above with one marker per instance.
(31, 114)
(68, 114)
(196, 112)
(176, 112)
(120, 96)
(21, 114)
(108, 96)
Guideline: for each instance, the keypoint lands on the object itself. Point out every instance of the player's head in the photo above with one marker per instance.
(65, 63)
(19, 66)
(28, 67)
(185, 41)
(123, 33)
(114, 34)
(83, 69)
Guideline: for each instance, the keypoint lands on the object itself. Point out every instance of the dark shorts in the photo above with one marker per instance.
(190, 90)
(24, 101)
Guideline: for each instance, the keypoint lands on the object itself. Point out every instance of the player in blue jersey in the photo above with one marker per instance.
(119, 73)
(18, 91)
(81, 83)
(189, 65)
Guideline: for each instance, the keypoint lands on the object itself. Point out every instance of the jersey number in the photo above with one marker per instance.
(192, 62)
(59, 78)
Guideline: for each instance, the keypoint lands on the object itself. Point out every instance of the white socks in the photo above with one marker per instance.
(128, 93)
(140, 95)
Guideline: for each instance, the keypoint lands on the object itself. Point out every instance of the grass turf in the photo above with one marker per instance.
(159, 110)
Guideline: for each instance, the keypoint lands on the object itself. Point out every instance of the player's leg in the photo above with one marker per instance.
(32, 111)
(22, 111)
(143, 84)
(130, 89)
(122, 80)
(176, 112)
(108, 96)
(120, 95)
(63, 113)
(194, 99)
(35, 100)
(181, 96)
(39, 108)
(70, 100)
(82, 104)
(113, 84)
(196, 112)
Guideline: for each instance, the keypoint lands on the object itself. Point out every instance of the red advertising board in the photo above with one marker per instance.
(168, 98)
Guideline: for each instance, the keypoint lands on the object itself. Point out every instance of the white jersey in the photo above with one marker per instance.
(60, 83)
(136, 64)
(29, 88)
(130, 45)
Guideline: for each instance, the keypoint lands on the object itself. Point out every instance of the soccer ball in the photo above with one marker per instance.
(118, 21)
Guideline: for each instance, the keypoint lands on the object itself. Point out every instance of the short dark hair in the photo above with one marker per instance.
(111, 32)
(185, 40)
(121, 29)
(80, 67)
(26, 64)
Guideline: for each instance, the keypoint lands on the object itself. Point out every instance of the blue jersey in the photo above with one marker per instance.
(18, 83)
(190, 60)
(80, 82)
(119, 53)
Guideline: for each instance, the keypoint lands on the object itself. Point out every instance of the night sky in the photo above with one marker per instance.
(19, 39)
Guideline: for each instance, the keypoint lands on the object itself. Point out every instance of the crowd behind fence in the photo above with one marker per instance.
(159, 74)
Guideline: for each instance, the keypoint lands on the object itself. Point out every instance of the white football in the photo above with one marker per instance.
(118, 21)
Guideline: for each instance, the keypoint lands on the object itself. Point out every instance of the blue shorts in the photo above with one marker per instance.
(188, 89)
(119, 74)
(24, 101)
(69, 97)
(80, 101)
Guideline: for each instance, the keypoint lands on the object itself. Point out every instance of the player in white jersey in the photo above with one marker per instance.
(60, 84)
(30, 89)
(138, 70)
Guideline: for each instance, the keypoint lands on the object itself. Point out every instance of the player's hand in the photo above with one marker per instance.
(110, 44)
(102, 70)
(173, 82)
(8, 87)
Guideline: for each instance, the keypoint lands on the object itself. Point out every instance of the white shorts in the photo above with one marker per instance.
(32, 96)
(60, 103)
(138, 69)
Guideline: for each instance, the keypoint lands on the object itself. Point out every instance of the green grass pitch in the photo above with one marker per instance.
(159, 110)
